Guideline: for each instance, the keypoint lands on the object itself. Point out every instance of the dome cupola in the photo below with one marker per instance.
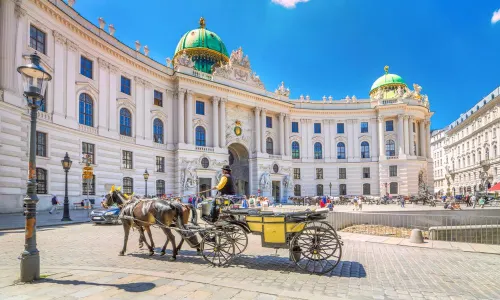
(388, 84)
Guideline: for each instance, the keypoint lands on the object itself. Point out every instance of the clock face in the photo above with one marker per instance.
(237, 130)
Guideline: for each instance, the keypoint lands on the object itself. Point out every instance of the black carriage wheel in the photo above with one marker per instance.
(217, 248)
(239, 237)
(317, 248)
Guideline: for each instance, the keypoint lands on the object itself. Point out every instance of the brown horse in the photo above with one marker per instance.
(139, 213)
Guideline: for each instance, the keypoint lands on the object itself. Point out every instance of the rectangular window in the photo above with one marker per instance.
(366, 172)
(89, 150)
(340, 127)
(127, 159)
(86, 67)
(296, 173)
(41, 181)
(342, 173)
(317, 127)
(41, 144)
(319, 173)
(389, 125)
(393, 171)
(364, 127)
(125, 86)
(37, 39)
(160, 164)
(295, 126)
(269, 122)
(200, 108)
(158, 101)
(343, 189)
(88, 186)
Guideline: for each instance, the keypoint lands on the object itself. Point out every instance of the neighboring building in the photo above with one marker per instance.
(184, 120)
(466, 153)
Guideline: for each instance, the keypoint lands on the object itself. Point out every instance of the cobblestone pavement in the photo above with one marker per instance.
(82, 263)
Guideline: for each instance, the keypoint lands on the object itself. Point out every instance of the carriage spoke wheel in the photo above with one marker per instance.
(239, 237)
(217, 248)
(316, 249)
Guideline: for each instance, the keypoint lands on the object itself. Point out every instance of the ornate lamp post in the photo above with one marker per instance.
(66, 164)
(146, 176)
(330, 188)
(35, 80)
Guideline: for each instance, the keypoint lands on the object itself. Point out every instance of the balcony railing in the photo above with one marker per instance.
(273, 156)
(87, 129)
(204, 149)
(160, 146)
(44, 116)
(127, 139)
(392, 157)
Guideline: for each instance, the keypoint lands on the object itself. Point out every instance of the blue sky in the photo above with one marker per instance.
(334, 47)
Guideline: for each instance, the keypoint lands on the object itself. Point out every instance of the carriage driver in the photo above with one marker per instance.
(226, 184)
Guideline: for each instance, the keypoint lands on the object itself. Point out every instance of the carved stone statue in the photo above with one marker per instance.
(354, 99)
(184, 60)
(223, 71)
(287, 182)
(330, 99)
(281, 90)
(407, 93)
(347, 99)
(189, 176)
(417, 89)
(256, 80)
(265, 181)
(238, 58)
(379, 94)
(301, 98)
(324, 99)
(400, 92)
(218, 175)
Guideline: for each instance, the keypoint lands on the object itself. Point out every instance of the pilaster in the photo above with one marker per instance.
(180, 115)
(71, 100)
(257, 142)
(113, 110)
(103, 95)
(189, 117)
(215, 120)
(222, 115)
(263, 130)
(282, 133)
(58, 78)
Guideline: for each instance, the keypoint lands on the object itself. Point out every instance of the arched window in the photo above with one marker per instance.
(473, 158)
(340, 150)
(366, 189)
(41, 181)
(269, 146)
(128, 185)
(295, 150)
(86, 110)
(158, 131)
(160, 187)
(319, 190)
(318, 150)
(200, 136)
(390, 148)
(125, 122)
(365, 150)
(487, 153)
(342, 189)
(296, 190)
(393, 188)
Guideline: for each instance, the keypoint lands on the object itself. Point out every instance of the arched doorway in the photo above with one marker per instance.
(238, 160)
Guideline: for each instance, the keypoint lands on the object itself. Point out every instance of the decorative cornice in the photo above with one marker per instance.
(20, 12)
(71, 46)
(113, 69)
(103, 63)
(59, 38)
(139, 81)
(148, 84)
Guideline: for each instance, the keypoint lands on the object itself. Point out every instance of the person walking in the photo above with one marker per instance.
(402, 199)
(473, 199)
(360, 204)
(54, 205)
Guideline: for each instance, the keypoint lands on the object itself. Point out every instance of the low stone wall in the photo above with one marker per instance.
(482, 234)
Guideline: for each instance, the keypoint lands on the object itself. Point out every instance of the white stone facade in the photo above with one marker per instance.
(466, 155)
(233, 98)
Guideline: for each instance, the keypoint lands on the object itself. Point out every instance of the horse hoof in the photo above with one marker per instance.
(151, 253)
(121, 253)
(141, 245)
(172, 258)
(162, 253)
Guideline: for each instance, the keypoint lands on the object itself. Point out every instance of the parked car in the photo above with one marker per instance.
(106, 216)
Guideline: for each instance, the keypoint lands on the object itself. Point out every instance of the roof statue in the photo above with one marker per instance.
(282, 91)
(324, 99)
(238, 68)
(301, 98)
(183, 60)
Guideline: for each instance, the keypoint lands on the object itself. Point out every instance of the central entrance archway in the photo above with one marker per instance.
(238, 161)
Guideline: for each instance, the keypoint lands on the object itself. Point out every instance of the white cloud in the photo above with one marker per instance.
(495, 18)
(288, 3)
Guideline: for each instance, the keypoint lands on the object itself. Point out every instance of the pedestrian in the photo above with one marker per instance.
(473, 199)
(482, 201)
(360, 204)
(54, 205)
(244, 203)
(402, 199)
(355, 202)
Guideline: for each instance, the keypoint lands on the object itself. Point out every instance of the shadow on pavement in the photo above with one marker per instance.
(136, 287)
(349, 269)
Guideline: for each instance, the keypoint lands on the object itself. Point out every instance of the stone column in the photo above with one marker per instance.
(401, 142)
(327, 146)
(350, 139)
(333, 144)
(372, 130)
(222, 116)
(148, 102)
(422, 138)
(113, 111)
(170, 115)
(257, 129)
(103, 94)
(71, 80)
(20, 40)
(282, 133)
(406, 135)
(215, 120)
(412, 136)
(428, 139)
(356, 130)
(8, 32)
(263, 130)
(189, 117)
(310, 132)
(287, 135)
(58, 79)
(180, 115)
(139, 107)
(303, 132)
(380, 133)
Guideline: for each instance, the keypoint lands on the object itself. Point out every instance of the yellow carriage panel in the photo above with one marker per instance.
(274, 219)
(274, 233)
(254, 223)
(294, 227)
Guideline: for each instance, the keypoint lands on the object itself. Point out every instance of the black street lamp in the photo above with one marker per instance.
(330, 188)
(146, 176)
(66, 164)
(35, 80)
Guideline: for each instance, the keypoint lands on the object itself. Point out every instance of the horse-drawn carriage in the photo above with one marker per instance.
(313, 244)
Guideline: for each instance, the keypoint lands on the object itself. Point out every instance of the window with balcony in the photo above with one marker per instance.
(125, 122)
(200, 136)
(158, 131)
(341, 150)
(295, 150)
(365, 150)
(390, 148)
(269, 146)
(318, 150)
(86, 110)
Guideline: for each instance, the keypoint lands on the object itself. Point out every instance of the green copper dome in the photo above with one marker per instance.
(388, 79)
(204, 47)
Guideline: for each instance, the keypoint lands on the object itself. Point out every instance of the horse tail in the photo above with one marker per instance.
(194, 215)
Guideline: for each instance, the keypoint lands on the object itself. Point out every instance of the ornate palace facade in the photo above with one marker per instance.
(185, 118)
